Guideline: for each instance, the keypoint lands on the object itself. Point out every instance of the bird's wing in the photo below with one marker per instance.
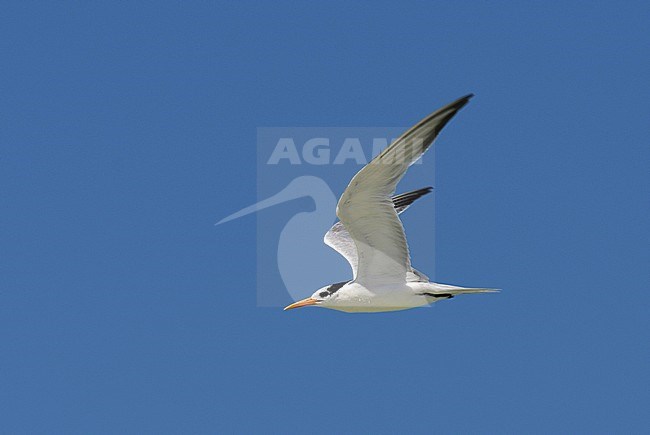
(339, 239)
(366, 209)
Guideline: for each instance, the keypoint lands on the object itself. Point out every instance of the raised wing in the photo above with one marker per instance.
(339, 239)
(366, 209)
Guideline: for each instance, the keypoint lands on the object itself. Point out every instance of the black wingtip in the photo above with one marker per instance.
(424, 191)
(462, 101)
(421, 191)
(406, 199)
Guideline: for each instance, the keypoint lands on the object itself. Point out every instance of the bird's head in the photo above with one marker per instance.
(324, 296)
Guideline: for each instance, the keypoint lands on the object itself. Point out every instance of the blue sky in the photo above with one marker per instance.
(128, 130)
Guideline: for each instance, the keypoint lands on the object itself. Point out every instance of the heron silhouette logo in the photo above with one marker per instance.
(300, 174)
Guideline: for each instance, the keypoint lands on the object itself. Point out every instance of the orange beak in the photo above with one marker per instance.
(302, 303)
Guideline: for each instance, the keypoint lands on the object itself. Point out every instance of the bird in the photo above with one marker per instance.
(370, 235)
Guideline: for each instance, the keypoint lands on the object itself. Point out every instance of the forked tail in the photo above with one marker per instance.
(464, 290)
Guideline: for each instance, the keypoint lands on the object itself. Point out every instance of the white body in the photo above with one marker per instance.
(356, 298)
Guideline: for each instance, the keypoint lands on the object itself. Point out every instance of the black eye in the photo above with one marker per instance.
(323, 294)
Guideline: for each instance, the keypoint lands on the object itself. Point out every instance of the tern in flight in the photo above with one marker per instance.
(370, 235)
